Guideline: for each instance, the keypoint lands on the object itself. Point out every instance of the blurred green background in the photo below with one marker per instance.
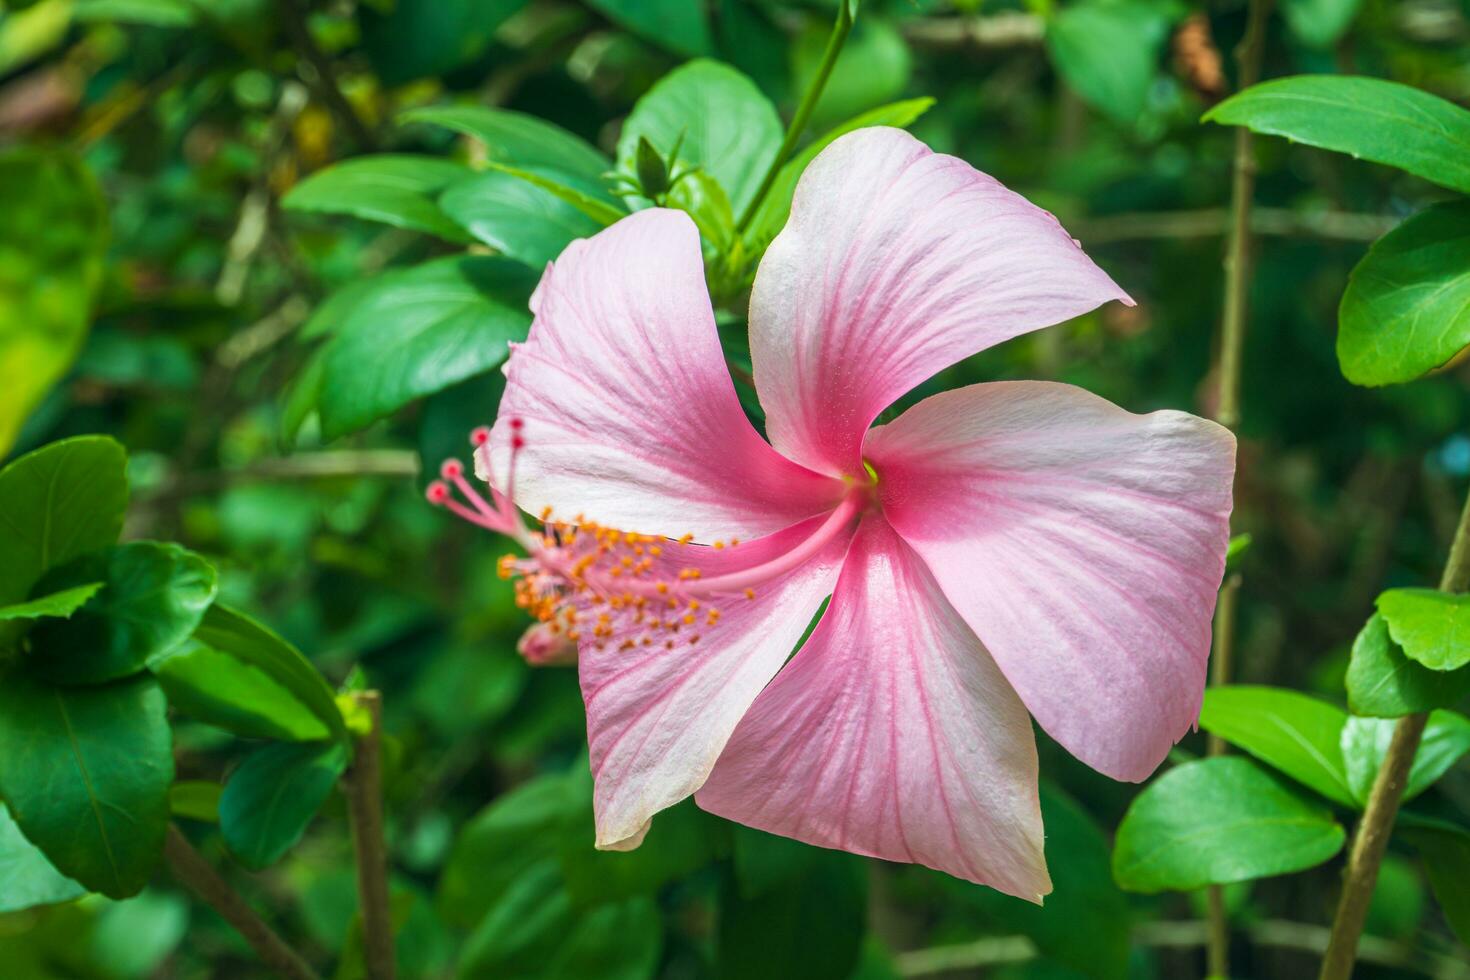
(182, 296)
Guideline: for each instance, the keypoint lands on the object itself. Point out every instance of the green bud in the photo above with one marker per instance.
(653, 173)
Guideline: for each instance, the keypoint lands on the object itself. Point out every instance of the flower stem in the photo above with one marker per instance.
(196, 874)
(1383, 803)
(364, 789)
(846, 13)
(1248, 55)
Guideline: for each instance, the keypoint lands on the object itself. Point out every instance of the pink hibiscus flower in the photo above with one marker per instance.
(995, 550)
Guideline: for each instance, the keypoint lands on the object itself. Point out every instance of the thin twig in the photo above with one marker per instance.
(363, 785)
(1376, 826)
(1342, 226)
(1006, 29)
(196, 874)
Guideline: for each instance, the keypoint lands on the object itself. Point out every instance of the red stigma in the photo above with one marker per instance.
(517, 423)
(436, 492)
(480, 436)
(517, 442)
(451, 469)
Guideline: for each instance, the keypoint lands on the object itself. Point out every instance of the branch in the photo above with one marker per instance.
(1210, 222)
(196, 874)
(363, 785)
(1002, 30)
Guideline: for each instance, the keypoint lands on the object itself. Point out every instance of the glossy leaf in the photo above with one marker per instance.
(1445, 848)
(86, 772)
(29, 878)
(1383, 683)
(269, 801)
(221, 690)
(51, 245)
(156, 595)
(392, 189)
(419, 331)
(1108, 51)
(518, 140)
(678, 25)
(1365, 742)
(1406, 310)
(1295, 733)
(228, 631)
(720, 120)
(1365, 117)
(57, 502)
(1216, 821)
(1432, 628)
(58, 605)
(776, 208)
(589, 198)
(515, 217)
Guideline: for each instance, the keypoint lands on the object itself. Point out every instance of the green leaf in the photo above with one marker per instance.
(1432, 628)
(218, 689)
(1406, 310)
(1365, 743)
(678, 25)
(273, 796)
(419, 331)
(29, 878)
(411, 39)
(516, 139)
(152, 13)
(57, 502)
(1367, 118)
(86, 772)
(727, 127)
(1108, 51)
(776, 207)
(56, 604)
(1295, 733)
(515, 217)
(228, 631)
(872, 68)
(1384, 683)
(156, 595)
(51, 246)
(1216, 821)
(1445, 849)
(808, 924)
(534, 931)
(195, 799)
(586, 197)
(393, 189)
(1319, 23)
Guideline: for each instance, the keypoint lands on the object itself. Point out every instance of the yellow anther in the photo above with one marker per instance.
(545, 513)
(750, 593)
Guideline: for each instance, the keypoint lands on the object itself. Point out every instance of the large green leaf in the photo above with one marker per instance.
(1384, 683)
(57, 502)
(394, 189)
(720, 120)
(1432, 628)
(515, 217)
(85, 772)
(519, 140)
(419, 331)
(1445, 848)
(225, 630)
(51, 245)
(29, 878)
(776, 207)
(219, 689)
(806, 920)
(873, 67)
(58, 605)
(1296, 733)
(411, 39)
(156, 595)
(269, 801)
(678, 25)
(1319, 23)
(1216, 821)
(1108, 51)
(1365, 742)
(1406, 310)
(1366, 117)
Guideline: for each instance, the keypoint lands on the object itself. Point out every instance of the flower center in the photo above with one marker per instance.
(606, 586)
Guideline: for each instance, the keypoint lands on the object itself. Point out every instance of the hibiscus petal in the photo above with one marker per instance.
(629, 414)
(1083, 544)
(896, 263)
(658, 718)
(893, 734)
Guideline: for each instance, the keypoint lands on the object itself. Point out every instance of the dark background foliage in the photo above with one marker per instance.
(196, 117)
